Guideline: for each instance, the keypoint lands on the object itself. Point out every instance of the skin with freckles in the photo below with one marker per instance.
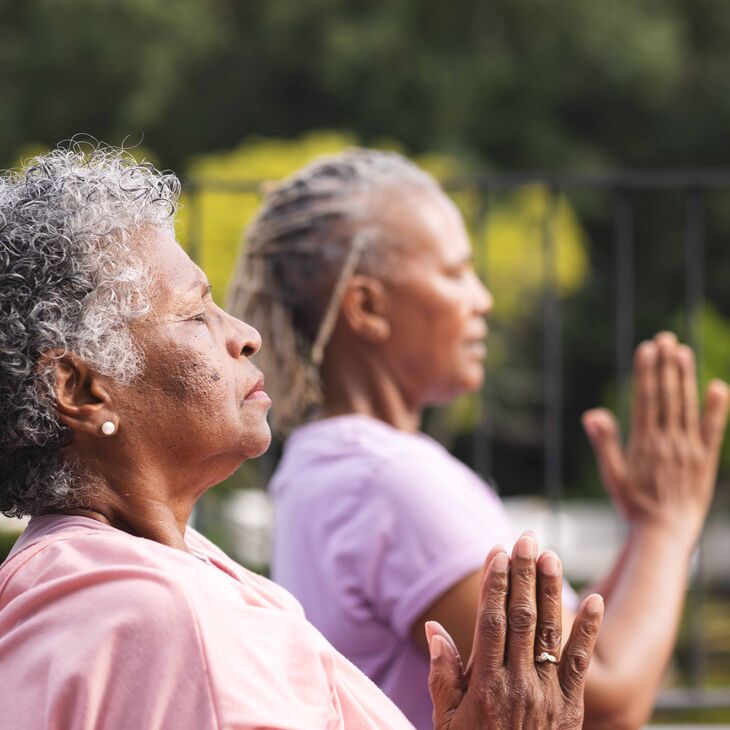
(186, 423)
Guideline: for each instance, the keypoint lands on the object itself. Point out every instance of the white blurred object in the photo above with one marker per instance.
(586, 535)
(249, 517)
(13, 524)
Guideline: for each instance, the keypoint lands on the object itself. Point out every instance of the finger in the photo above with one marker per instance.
(603, 433)
(490, 556)
(644, 405)
(579, 649)
(491, 627)
(522, 609)
(688, 386)
(445, 678)
(669, 401)
(482, 593)
(714, 418)
(549, 607)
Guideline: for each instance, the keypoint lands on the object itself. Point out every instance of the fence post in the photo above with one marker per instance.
(553, 356)
(694, 265)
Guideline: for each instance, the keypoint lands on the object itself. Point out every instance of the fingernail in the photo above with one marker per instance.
(429, 629)
(500, 563)
(526, 547)
(594, 604)
(550, 565)
(435, 646)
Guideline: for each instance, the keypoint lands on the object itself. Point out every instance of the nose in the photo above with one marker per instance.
(483, 299)
(243, 339)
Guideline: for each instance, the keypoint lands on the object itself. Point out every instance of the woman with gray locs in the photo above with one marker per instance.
(126, 393)
(357, 271)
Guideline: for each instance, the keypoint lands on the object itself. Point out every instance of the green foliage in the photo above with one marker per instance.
(512, 82)
(210, 226)
(7, 540)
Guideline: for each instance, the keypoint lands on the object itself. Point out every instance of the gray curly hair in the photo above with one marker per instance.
(69, 282)
(313, 231)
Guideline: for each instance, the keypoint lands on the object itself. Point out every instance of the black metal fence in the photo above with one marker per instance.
(623, 194)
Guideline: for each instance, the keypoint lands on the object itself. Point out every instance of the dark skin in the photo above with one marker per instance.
(186, 423)
(404, 341)
(197, 411)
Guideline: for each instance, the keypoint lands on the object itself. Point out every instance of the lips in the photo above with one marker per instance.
(258, 392)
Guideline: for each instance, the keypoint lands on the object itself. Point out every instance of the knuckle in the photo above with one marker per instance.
(498, 583)
(523, 572)
(551, 589)
(492, 623)
(549, 635)
(588, 628)
(522, 618)
(578, 662)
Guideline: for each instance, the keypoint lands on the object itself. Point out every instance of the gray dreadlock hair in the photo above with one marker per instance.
(313, 231)
(69, 282)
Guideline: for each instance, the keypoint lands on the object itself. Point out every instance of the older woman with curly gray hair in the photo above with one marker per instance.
(125, 393)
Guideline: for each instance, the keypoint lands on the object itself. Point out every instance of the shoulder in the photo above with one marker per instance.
(118, 610)
(269, 592)
(119, 573)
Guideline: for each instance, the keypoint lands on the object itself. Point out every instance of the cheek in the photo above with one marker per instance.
(193, 383)
(188, 388)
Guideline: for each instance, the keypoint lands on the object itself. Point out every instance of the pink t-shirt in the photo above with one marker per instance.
(372, 525)
(101, 629)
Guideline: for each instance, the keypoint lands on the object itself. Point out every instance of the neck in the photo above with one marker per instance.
(354, 382)
(154, 524)
(139, 497)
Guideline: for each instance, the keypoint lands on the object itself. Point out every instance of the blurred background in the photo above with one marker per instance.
(586, 142)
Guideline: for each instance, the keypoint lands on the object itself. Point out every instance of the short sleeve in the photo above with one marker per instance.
(434, 526)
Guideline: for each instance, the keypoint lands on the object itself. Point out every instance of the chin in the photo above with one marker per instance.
(258, 441)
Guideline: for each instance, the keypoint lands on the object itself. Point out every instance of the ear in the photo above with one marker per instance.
(82, 399)
(365, 308)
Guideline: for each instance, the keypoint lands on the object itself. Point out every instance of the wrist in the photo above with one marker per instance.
(681, 537)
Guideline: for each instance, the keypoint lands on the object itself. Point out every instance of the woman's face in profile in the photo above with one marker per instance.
(199, 397)
(439, 304)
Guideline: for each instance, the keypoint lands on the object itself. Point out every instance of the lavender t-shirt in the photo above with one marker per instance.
(372, 526)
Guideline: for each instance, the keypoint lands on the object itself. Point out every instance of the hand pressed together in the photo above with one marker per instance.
(666, 473)
(504, 685)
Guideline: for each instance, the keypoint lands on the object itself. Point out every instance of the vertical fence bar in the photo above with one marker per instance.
(483, 433)
(694, 235)
(624, 291)
(553, 355)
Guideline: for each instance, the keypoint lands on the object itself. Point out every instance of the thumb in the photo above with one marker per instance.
(446, 677)
(603, 433)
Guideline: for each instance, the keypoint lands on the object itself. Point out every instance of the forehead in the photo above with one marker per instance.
(171, 269)
(426, 224)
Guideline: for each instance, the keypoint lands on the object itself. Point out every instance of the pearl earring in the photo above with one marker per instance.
(108, 428)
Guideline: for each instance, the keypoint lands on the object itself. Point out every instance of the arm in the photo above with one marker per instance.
(663, 482)
(456, 609)
(503, 686)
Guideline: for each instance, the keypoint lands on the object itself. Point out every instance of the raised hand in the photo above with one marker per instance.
(666, 473)
(507, 684)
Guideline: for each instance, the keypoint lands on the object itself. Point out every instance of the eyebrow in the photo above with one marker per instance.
(202, 286)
